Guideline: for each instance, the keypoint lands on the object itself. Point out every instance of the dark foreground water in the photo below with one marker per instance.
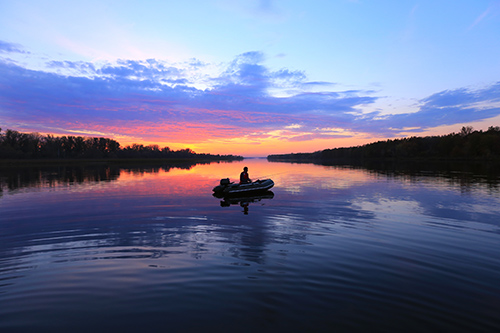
(330, 249)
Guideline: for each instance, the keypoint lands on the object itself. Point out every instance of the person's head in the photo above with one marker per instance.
(245, 169)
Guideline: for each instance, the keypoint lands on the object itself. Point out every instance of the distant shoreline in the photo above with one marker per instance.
(108, 161)
(467, 145)
(287, 159)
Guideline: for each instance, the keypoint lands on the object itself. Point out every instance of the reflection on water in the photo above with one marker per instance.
(332, 248)
(464, 174)
(246, 200)
(57, 175)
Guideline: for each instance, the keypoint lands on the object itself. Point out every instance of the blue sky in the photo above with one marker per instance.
(249, 77)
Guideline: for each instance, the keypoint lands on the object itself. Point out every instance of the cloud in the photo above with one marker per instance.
(264, 10)
(6, 47)
(314, 136)
(463, 97)
(491, 11)
(159, 101)
(447, 107)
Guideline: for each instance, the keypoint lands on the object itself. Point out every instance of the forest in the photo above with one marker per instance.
(467, 144)
(17, 145)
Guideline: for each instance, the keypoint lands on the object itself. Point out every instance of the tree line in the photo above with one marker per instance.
(17, 145)
(467, 144)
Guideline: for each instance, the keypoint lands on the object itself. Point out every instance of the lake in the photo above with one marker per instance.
(331, 248)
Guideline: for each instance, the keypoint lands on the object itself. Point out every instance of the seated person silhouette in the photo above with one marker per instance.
(244, 179)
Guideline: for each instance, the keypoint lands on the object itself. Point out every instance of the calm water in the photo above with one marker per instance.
(329, 249)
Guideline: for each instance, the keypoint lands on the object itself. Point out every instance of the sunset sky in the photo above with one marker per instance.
(249, 77)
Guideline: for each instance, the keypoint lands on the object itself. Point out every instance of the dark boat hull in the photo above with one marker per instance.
(243, 189)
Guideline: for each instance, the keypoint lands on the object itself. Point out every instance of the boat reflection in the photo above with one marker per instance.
(244, 200)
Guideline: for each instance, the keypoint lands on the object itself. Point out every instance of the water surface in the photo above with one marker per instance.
(329, 249)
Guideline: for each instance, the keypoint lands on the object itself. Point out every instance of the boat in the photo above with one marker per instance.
(226, 188)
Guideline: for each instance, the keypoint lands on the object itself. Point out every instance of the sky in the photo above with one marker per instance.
(249, 77)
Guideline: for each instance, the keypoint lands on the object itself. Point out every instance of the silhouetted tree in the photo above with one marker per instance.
(467, 144)
(16, 145)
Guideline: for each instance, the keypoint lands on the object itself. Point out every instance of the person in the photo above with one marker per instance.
(244, 179)
(245, 207)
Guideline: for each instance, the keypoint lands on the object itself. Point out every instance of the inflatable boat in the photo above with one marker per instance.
(230, 188)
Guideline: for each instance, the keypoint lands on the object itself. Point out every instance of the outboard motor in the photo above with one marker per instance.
(224, 183)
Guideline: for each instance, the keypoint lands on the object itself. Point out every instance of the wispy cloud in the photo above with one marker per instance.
(263, 10)
(492, 10)
(153, 100)
(6, 47)
(447, 107)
